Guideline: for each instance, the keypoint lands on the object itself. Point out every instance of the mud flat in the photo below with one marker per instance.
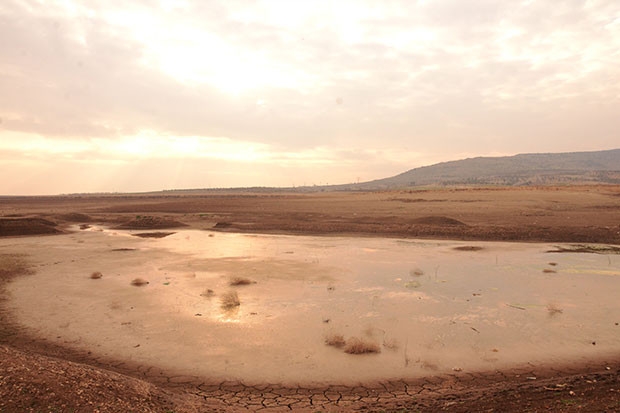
(443, 309)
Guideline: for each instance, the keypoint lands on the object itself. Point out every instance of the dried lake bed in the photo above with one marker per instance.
(431, 307)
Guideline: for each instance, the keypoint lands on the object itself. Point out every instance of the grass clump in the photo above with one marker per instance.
(96, 275)
(391, 344)
(358, 346)
(553, 309)
(335, 340)
(230, 300)
(208, 293)
(235, 281)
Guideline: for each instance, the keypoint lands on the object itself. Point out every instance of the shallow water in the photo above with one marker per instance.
(430, 308)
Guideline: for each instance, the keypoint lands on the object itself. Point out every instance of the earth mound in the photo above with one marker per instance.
(27, 226)
(32, 382)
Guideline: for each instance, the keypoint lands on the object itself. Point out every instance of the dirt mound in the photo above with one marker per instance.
(151, 222)
(32, 382)
(438, 220)
(27, 226)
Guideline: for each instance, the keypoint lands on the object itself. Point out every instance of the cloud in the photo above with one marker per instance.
(437, 77)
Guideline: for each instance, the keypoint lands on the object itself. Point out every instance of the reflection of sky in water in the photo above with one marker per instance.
(501, 289)
(446, 308)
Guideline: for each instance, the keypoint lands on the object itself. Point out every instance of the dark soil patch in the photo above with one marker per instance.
(27, 226)
(414, 200)
(221, 225)
(235, 281)
(151, 222)
(123, 249)
(13, 265)
(153, 234)
(468, 248)
(438, 220)
(74, 217)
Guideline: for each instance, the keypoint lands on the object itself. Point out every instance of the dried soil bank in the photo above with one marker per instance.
(545, 214)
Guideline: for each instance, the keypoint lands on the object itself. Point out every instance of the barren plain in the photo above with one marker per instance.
(70, 344)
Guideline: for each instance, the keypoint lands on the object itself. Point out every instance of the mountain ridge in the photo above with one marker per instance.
(516, 170)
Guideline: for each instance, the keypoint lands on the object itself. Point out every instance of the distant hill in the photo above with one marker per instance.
(523, 169)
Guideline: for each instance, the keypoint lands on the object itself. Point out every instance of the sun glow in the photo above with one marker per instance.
(148, 144)
(198, 58)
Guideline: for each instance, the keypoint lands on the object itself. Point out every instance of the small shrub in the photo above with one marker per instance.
(358, 346)
(139, 282)
(335, 340)
(96, 275)
(553, 309)
(391, 344)
(240, 281)
(230, 300)
(208, 293)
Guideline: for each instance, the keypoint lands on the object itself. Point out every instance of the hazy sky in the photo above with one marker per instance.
(117, 95)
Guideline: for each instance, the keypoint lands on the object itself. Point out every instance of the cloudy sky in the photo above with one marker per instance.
(117, 95)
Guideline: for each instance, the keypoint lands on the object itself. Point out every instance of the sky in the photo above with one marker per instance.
(126, 96)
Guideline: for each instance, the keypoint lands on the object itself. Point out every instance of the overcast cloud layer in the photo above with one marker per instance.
(148, 95)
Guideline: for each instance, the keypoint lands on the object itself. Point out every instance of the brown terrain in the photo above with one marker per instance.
(37, 376)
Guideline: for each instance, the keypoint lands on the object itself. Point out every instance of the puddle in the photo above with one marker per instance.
(431, 306)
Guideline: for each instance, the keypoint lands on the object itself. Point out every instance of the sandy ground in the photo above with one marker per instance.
(586, 379)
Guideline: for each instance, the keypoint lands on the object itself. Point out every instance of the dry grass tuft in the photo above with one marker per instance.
(139, 282)
(230, 300)
(240, 281)
(391, 344)
(208, 293)
(335, 340)
(96, 275)
(549, 271)
(357, 346)
(553, 309)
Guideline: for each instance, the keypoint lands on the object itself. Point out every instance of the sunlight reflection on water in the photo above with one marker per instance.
(421, 300)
